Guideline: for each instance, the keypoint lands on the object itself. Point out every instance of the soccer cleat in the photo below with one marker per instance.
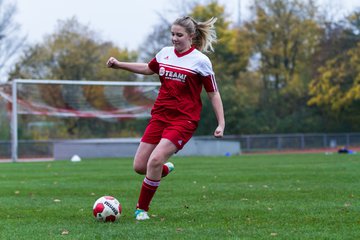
(170, 166)
(141, 214)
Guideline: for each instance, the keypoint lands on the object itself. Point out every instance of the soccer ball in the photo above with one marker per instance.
(107, 209)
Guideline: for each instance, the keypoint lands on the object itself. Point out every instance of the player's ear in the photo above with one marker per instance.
(191, 37)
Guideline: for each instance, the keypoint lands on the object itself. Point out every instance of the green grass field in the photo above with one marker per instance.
(304, 196)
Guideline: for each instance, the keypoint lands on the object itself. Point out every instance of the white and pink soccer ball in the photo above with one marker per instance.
(107, 209)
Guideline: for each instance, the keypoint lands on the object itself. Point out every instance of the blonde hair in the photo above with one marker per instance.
(204, 32)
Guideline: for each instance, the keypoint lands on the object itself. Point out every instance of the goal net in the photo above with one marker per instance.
(54, 108)
(86, 99)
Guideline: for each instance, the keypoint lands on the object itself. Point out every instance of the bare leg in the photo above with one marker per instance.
(142, 156)
(162, 152)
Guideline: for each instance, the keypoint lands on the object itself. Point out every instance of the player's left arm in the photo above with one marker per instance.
(217, 105)
(210, 85)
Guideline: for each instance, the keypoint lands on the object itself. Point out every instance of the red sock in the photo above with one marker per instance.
(165, 171)
(147, 192)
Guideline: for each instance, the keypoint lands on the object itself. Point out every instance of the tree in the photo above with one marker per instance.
(338, 83)
(284, 34)
(335, 88)
(156, 40)
(10, 42)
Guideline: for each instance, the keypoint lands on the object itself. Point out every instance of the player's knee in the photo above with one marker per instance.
(139, 168)
(141, 171)
(155, 161)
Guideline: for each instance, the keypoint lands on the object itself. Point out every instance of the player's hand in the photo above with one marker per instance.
(219, 132)
(112, 62)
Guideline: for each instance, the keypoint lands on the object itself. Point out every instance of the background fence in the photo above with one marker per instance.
(248, 143)
(283, 142)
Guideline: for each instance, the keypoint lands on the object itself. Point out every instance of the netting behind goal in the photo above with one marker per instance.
(54, 108)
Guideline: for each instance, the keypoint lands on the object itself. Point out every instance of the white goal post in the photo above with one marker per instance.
(14, 99)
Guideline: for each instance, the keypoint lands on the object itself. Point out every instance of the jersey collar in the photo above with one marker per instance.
(184, 53)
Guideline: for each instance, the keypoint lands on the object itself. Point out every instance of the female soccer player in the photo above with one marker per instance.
(183, 70)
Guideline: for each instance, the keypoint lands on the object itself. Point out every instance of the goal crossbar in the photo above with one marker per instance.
(82, 82)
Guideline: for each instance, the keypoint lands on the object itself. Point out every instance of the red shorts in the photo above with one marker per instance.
(178, 132)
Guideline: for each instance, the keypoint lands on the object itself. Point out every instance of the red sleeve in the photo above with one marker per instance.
(154, 65)
(209, 83)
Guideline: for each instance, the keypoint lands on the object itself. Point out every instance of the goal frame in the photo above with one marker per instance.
(14, 113)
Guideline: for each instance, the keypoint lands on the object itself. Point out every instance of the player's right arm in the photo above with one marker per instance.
(141, 68)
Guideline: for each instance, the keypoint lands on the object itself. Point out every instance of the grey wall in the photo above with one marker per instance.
(107, 148)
